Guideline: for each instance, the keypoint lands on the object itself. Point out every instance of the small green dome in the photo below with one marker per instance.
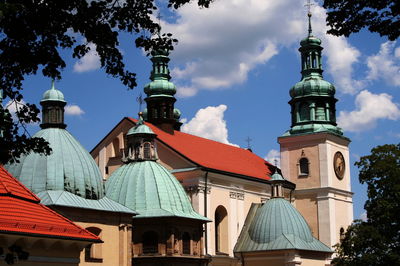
(68, 168)
(277, 176)
(150, 189)
(53, 95)
(310, 41)
(140, 128)
(160, 87)
(277, 225)
(312, 86)
(276, 218)
(177, 114)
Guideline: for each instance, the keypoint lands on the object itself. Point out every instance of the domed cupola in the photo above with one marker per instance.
(69, 167)
(53, 108)
(160, 94)
(277, 225)
(313, 101)
(144, 185)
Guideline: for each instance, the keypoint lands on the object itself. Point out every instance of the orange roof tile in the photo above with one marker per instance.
(215, 155)
(22, 213)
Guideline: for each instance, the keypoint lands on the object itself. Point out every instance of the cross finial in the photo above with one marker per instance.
(159, 22)
(276, 163)
(248, 140)
(308, 5)
(139, 99)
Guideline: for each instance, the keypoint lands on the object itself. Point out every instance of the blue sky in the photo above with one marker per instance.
(233, 67)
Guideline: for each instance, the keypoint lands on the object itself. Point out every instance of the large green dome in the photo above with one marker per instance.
(276, 218)
(277, 225)
(150, 189)
(69, 167)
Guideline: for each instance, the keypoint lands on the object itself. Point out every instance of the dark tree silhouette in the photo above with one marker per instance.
(33, 32)
(346, 17)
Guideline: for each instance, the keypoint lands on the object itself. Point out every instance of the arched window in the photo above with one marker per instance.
(150, 242)
(147, 150)
(304, 112)
(342, 235)
(93, 253)
(221, 230)
(303, 167)
(186, 243)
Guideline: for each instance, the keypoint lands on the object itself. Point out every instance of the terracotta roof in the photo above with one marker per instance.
(22, 213)
(215, 155)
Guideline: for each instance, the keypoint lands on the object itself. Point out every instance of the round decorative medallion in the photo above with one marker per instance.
(339, 165)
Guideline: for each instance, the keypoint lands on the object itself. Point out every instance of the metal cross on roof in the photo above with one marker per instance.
(159, 23)
(308, 5)
(248, 140)
(139, 99)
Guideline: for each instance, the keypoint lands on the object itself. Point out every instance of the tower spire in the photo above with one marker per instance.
(313, 98)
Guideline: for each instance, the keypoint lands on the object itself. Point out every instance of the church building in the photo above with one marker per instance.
(157, 196)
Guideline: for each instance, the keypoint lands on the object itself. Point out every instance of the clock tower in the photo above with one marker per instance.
(314, 151)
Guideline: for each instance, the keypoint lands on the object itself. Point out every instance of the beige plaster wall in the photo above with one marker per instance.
(308, 207)
(170, 159)
(344, 216)
(312, 154)
(312, 262)
(116, 247)
(116, 233)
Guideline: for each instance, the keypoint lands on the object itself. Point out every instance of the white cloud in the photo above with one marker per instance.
(385, 64)
(273, 157)
(89, 62)
(370, 108)
(208, 123)
(14, 106)
(73, 109)
(219, 46)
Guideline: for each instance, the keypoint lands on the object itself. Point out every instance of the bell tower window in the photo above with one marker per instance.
(304, 167)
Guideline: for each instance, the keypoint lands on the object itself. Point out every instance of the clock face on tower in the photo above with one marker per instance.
(339, 165)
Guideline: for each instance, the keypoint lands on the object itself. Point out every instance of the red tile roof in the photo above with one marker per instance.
(215, 155)
(22, 213)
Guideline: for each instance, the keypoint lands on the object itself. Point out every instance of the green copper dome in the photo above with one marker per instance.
(276, 218)
(150, 189)
(277, 225)
(277, 176)
(69, 167)
(312, 86)
(140, 129)
(53, 95)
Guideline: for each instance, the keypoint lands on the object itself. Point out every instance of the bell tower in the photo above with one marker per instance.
(160, 93)
(314, 151)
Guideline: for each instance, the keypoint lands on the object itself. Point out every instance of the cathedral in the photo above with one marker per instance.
(149, 194)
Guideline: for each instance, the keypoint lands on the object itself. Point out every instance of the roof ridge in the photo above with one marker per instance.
(180, 132)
